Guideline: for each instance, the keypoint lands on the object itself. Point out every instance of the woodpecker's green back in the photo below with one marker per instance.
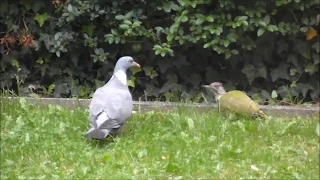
(239, 102)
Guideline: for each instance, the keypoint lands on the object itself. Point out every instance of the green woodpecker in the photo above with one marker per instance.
(235, 100)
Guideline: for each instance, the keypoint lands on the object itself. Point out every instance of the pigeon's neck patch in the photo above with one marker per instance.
(121, 76)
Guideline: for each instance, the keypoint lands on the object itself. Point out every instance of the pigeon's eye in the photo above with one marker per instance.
(130, 61)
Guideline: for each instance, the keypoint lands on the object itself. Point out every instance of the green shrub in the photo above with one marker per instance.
(255, 46)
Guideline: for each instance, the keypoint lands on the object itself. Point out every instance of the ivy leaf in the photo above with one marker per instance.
(169, 37)
(149, 71)
(173, 28)
(207, 45)
(166, 7)
(164, 64)
(128, 15)
(265, 94)
(293, 59)
(274, 94)
(40, 60)
(134, 70)
(193, 4)
(293, 72)
(26, 4)
(199, 21)
(36, 6)
(304, 29)
(195, 79)
(261, 70)
(260, 32)
(227, 55)
(119, 17)
(41, 18)
(58, 53)
(303, 88)
(15, 63)
(242, 18)
(282, 46)
(234, 51)
(226, 43)
(88, 29)
(168, 96)
(130, 82)
(309, 68)
(280, 72)
(209, 19)
(51, 88)
(266, 19)
(316, 59)
(174, 7)
(279, 2)
(272, 28)
(315, 93)
(293, 84)
(180, 61)
(70, 8)
(232, 37)
(316, 46)
(250, 71)
(184, 18)
(124, 26)
(170, 86)
(172, 78)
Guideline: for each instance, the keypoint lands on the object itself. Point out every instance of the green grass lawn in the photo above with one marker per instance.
(48, 142)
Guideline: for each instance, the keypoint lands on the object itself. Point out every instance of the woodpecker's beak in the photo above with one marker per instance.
(205, 86)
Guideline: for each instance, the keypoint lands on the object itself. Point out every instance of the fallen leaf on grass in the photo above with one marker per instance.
(255, 168)
(166, 156)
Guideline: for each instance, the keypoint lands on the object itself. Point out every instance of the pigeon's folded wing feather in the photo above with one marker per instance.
(105, 100)
(102, 121)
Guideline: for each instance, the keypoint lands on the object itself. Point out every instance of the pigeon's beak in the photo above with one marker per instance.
(135, 64)
(205, 86)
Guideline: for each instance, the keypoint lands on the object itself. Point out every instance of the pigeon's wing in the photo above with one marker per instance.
(108, 100)
(110, 104)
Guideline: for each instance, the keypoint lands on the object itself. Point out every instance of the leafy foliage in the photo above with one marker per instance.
(255, 46)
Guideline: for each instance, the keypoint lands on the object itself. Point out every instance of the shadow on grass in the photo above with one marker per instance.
(233, 117)
(109, 140)
(102, 143)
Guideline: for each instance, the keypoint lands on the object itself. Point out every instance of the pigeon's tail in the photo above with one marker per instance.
(97, 133)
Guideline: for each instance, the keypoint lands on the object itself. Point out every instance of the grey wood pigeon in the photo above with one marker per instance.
(111, 105)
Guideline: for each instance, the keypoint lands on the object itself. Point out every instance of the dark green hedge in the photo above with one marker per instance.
(69, 48)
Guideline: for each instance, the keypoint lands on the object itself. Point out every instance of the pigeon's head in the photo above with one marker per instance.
(216, 88)
(125, 62)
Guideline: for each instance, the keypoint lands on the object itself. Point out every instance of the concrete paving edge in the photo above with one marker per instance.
(144, 106)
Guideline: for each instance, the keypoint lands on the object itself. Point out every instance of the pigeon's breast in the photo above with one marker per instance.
(126, 107)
